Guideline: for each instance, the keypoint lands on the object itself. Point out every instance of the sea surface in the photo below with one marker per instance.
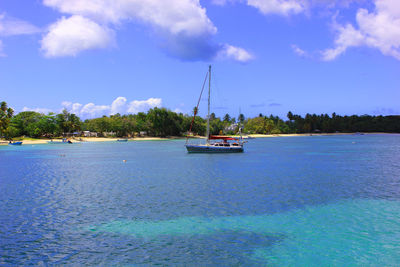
(285, 201)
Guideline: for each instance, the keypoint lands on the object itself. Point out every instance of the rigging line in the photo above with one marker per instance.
(197, 108)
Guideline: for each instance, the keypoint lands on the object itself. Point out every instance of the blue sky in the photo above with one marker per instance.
(97, 57)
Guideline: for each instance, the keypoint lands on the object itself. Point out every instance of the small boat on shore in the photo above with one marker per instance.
(122, 140)
(15, 143)
(63, 141)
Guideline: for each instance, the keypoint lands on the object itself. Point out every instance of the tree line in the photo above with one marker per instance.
(163, 122)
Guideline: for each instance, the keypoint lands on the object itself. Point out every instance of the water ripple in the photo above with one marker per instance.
(50, 196)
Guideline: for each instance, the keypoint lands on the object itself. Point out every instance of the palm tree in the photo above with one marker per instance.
(5, 115)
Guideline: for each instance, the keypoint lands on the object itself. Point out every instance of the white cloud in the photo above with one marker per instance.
(39, 110)
(106, 10)
(280, 7)
(66, 104)
(11, 26)
(378, 29)
(91, 110)
(177, 110)
(235, 53)
(347, 37)
(118, 105)
(298, 51)
(69, 36)
(333, 4)
(183, 25)
(175, 16)
(76, 107)
(143, 105)
(219, 2)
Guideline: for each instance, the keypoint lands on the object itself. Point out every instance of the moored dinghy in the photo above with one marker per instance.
(63, 141)
(222, 146)
(14, 143)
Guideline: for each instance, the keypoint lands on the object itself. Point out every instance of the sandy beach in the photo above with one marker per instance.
(291, 135)
(309, 134)
(30, 141)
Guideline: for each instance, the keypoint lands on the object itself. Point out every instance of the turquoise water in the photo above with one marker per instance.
(305, 201)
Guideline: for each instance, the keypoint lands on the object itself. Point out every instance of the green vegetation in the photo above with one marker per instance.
(326, 124)
(34, 124)
(6, 114)
(162, 122)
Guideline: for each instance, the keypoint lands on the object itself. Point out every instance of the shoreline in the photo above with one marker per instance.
(312, 134)
(31, 141)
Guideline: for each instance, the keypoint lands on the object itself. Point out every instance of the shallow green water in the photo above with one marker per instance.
(353, 232)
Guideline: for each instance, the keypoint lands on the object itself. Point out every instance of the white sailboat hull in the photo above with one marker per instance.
(213, 149)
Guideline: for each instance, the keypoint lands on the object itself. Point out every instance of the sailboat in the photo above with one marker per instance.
(214, 143)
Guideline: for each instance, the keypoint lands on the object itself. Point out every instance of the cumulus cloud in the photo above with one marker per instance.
(178, 110)
(91, 110)
(118, 105)
(39, 110)
(219, 2)
(298, 51)
(280, 7)
(143, 105)
(12, 26)
(175, 16)
(183, 26)
(69, 36)
(378, 29)
(235, 53)
(71, 107)
(332, 4)
(347, 37)
(66, 104)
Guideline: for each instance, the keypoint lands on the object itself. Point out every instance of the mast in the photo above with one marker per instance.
(208, 115)
(240, 125)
